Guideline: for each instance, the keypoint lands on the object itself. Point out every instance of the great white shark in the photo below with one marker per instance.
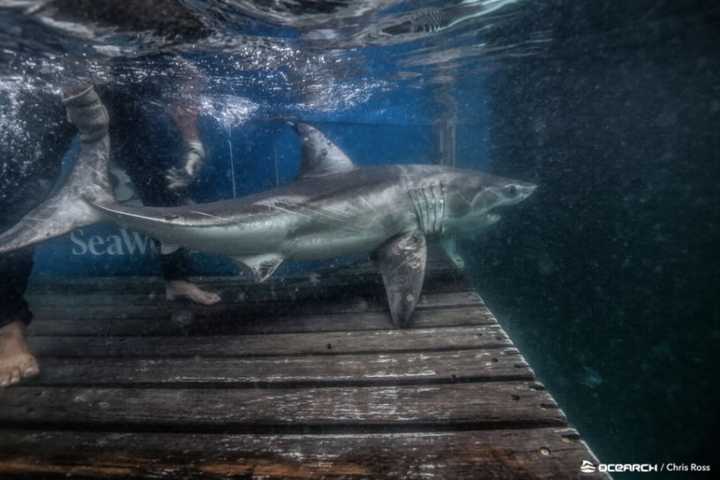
(333, 208)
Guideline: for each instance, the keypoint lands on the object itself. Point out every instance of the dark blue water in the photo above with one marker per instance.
(607, 278)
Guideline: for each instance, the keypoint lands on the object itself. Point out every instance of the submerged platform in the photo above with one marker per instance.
(303, 377)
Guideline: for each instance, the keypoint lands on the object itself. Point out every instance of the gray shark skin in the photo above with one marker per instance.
(333, 208)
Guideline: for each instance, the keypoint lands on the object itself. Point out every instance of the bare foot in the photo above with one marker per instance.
(184, 289)
(16, 360)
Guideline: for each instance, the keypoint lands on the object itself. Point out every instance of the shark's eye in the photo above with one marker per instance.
(511, 190)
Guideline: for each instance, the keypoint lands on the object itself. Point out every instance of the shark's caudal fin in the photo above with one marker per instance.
(88, 182)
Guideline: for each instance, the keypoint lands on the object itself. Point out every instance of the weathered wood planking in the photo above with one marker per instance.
(288, 344)
(119, 307)
(478, 405)
(363, 280)
(439, 270)
(365, 369)
(518, 454)
(150, 291)
(253, 324)
(304, 377)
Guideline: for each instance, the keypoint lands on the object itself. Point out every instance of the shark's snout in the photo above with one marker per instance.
(516, 192)
(528, 189)
(499, 197)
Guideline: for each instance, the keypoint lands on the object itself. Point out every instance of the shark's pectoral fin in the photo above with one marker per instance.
(262, 266)
(401, 261)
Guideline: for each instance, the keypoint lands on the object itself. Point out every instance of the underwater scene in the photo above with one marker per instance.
(371, 186)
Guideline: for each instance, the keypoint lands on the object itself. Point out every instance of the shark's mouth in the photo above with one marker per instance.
(492, 218)
(483, 200)
(481, 222)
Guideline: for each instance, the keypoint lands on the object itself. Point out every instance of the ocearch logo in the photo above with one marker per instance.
(589, 467)
(122, 243)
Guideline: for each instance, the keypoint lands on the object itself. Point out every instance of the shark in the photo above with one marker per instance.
(333, 208)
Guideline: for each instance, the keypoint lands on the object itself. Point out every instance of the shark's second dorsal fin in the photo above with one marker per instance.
(320, 156)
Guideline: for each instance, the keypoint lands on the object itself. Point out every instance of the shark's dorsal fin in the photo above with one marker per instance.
(262, 266)
(401, 261)
(320, 156)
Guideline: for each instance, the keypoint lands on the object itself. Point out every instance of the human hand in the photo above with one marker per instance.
(181, 177)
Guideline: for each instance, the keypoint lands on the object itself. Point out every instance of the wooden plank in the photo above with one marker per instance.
(114, 306)
(310, 286)
(239, 298)
(468, 406)
(185, 323)
(362, 276)
(365, 369)
(527, 454)
(331, 343)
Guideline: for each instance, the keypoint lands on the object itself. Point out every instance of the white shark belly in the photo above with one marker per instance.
(361, 233)
(252, 237)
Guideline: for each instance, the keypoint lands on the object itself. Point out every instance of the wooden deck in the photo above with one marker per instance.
(301, 378)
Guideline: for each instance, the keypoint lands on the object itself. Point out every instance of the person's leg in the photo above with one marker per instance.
(147, 160)
(16, 359)
(30, 161)
(176, 272)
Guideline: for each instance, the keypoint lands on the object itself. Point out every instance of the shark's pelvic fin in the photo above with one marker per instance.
(262, 266)
(449, 245)
(88, 181)
(320, 156)
(401, 261)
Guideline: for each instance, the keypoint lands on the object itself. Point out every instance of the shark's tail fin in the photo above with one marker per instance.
(69, 207)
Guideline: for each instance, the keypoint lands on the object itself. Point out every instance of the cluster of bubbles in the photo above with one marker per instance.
(228, 110)
(17, 108)
(284, 56)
